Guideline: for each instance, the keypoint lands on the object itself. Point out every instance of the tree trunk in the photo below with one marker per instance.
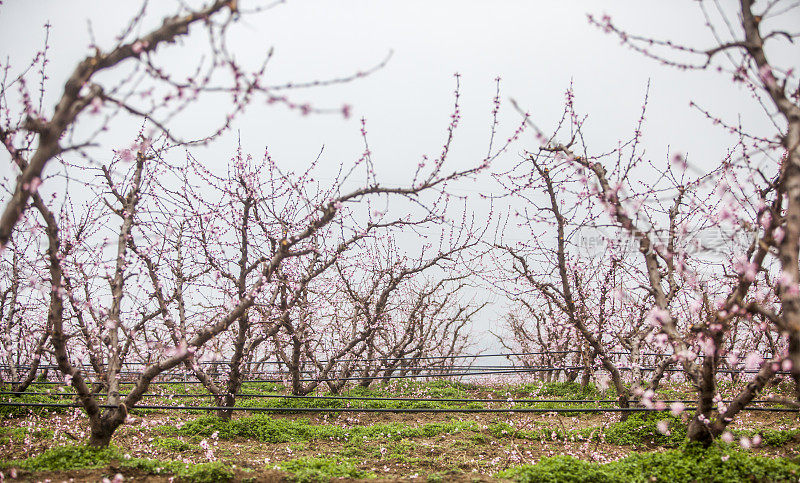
(586, 378)
(570, 376)
(699, 432)
(100, 436)
(624, 403)
(699, 429)
(103, 426)
(225, 414)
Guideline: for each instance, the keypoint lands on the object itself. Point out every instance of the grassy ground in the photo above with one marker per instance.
(157, 445)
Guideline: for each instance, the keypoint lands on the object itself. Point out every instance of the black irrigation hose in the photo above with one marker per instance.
(443, 369)
(422, 376)
(357, 378)
(390, 358)
(385, 410)
(376, 398)
(488, 367)
(515, 354)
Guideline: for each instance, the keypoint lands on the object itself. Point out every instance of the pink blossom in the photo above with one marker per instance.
(680, 161)
(752, 361)
(661, 339)
(708, 347)
(677, 408)
(179, 351)
(35, 183)
(750, 271)
(126, 155)
(787, 284)
(765, 74)
(658, 316)
(95, 105)
(726, 214)
(139, 46)
(766, 219)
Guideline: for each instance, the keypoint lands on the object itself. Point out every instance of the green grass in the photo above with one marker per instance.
(277, 430)
(401, 388)
(687, 465)
(437, 389)
(641, 428)
(771, 437)
(11, 434)
(262, 387)
(637, 430)
(570, 390)
(66, 458)
(22, 411)
(552, 390)
(200, 473)
(321, 469)
(174, 445)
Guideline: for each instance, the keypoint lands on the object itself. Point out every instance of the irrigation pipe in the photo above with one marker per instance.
(383, 410)
(400, 399)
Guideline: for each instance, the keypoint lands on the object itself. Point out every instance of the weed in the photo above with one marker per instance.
(273, 430)
(17, 435)
(570, 390)
(82, 457)
(22, 411)
(557, 469)
(638, 429)
(174, 445)
(690, 464)
(321, 469)
(771, 437)
(478, 439)
(262, 387)
(68, 458)
(642, 428)
(212, 472)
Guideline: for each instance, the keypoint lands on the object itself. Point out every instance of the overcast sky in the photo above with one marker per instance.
(537, 47)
